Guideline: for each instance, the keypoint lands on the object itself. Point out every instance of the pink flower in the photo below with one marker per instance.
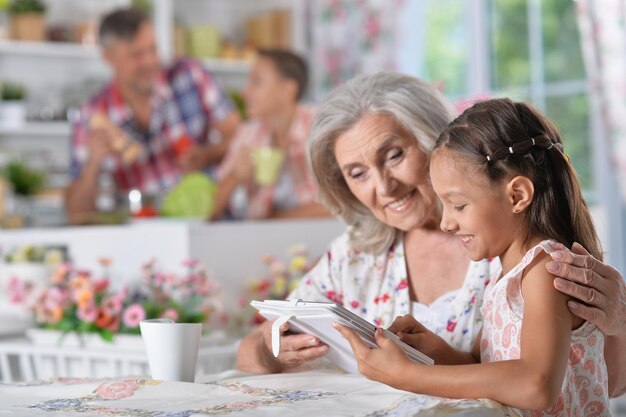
(372, 26)
(133, 315)
(114, 325)
(149, 266)
(112, 305)
(451, 326)
(100, 286)
(18, 290)
(190, 263)
(117, 390)
(171, 314)
(170, 279)
(88, 314)
(55, 298)
(159, 279)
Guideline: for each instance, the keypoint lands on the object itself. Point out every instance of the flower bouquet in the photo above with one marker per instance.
(75, 300)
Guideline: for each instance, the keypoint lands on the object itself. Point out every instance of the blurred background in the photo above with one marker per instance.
(566, 57)
(526, 49)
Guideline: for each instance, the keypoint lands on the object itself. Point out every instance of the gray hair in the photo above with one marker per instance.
(417, 107)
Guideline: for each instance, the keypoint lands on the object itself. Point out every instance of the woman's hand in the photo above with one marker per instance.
(295, 349)
(415, 334)
(598, 289)
(387, 364)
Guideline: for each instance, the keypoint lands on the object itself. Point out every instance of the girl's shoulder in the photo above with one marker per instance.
(535, 256)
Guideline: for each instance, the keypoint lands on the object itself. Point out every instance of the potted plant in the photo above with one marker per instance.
(74, 300)
(27, 20)
(12, 108)
(25, 182)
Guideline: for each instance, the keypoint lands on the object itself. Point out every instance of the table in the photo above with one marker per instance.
(311, 393)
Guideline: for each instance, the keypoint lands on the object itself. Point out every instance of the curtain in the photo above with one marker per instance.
(602, 27)
(350, 37)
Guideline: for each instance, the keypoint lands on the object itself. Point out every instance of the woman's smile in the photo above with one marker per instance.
(403, 203)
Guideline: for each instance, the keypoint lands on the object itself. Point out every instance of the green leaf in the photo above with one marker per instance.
(12, 92)
(25, 181)
(107, 336)
(27, 6)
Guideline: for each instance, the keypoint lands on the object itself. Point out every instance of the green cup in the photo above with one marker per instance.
(267, 163)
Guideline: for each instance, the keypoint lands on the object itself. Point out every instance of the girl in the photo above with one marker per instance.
(507, 190)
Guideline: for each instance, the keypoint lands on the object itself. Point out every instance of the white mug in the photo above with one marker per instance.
(172, 348)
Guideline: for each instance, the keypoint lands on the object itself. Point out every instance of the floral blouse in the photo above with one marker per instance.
(376, 288)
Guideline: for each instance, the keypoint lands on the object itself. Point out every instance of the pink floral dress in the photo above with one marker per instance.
(585, 386)
(375, 286)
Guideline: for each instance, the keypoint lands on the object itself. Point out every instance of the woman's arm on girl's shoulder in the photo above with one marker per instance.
(531, 382)
(598, 294)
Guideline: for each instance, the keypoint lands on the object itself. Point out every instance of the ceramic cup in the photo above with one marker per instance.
(267, 163)
(172, 348)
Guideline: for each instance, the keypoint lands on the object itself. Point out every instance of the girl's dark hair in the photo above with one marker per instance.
(503, 138)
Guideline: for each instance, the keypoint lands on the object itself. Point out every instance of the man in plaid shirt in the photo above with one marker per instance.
(168, 114)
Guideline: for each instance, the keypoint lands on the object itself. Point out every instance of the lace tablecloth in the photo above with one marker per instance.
(313, 393)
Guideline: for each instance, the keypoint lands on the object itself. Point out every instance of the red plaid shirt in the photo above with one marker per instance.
(186, 103)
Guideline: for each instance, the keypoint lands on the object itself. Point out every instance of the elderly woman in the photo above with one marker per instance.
(369, 152)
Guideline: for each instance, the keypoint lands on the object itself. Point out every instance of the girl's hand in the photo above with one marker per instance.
(415, 334)
(387, 364)
(598, 289)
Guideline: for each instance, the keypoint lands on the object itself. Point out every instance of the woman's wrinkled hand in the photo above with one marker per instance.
(415, 334)
(598, 290)
(295, 349)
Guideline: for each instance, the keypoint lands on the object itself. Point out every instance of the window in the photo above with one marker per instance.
(523, 49)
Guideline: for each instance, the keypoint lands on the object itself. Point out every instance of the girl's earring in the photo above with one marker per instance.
(516, 211)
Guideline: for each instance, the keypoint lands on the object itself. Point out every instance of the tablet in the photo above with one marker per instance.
(316, 318)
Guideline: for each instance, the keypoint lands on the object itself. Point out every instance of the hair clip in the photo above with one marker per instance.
(488, 158)
(533, 139)
(551, 145)
(510, 149)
